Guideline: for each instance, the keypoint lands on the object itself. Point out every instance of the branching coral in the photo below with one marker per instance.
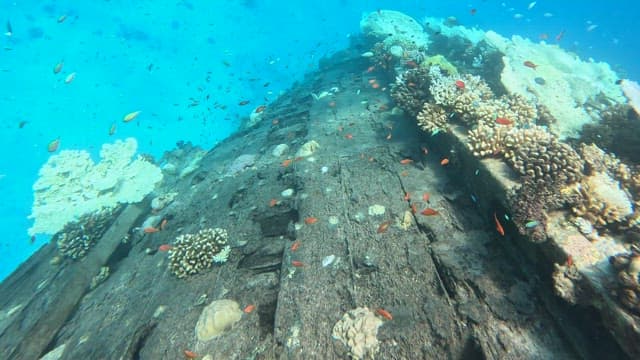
(487, 140)
(432, 118)
(411, 90)
(77, 237)
(602, 201)
(193, 253)
(538, 154)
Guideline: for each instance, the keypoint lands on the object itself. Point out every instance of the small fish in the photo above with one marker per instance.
(165, 247)
(531, 5)
(150, 230)
(474, 198)
(32, 239)
(310, 220)
(243, 102)
(518, 16)
(473, 11)
(131, 116)
(543, 36)
(61, 18)
(560, 36)
(348, 136)
(499, 227)
(531, 224)
(70, 78)
(383, 227)
(249, 308)
(570, 261)
(375, 85)
(286, 162)
(444, 162)
(273, 202)
(112, 129)
(591, 27)
(503, 121)
(53, 145)
(425, 151)
(295, 245)
(460, 84)
(411, 64)
(163, 224)
(58, 67)
(190, 354)
(407, 196)
(530, 64)
(371, 69)
(425, 197)
(406, 161)
(414, 208)
(429, 212)
(384, 313)
(260, 109)
(266, 84)
(297, 263)
(9, 29)
(22, 123)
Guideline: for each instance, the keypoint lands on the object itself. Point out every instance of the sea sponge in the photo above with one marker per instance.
(432, 118)
(193, 253)
(357, 330)
(217, 317)
(71, 184)
(536, 153)
(441, 62)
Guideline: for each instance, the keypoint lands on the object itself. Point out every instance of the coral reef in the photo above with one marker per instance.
(432, 118)
(71, 185)
(485, 140)
(617, 131)
(602, 201)
(441, 62)
(627, 267)
(193, 253)
(394, 29)
(77, 237)
(216, 318)
(536, 153)
(357, 330)
(411, 90)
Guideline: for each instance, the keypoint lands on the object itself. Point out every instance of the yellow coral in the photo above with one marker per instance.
(440, 61)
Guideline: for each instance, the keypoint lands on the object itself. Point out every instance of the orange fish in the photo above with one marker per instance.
(190, 354)
(407, 196)
(371, 69)
(310, 220)
(131, 116)
(406, 161)
(165, 247)
(444, 162)
(150, 230)
(569, 262)
(273, 202)
(371, 81)
(297, 263)
(414, 208)
(498, 225)
(348, 136)
(53, 145)
(503, 121)
(260, 109)
(425, 197)
(249, 308)
(163, 224)
(460, 84)
(383, 227)
(58, 67)
(429, 212)
(295, 245)
(375, 85)
(70, 78)
(560, 35)
(530, 64)
(404, 173)
(384, 313)
(286, 163)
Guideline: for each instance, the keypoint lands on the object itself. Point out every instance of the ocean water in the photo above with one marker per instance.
(188, 65)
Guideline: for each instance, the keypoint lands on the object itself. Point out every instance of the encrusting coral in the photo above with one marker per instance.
(193, 253)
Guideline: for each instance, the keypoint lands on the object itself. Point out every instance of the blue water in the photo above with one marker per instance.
(161, 57)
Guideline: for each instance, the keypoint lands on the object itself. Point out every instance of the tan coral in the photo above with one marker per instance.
(602, 201)
(357, 330)
(193, 253)
(485, 140)
(432, 118)
(536, 153)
